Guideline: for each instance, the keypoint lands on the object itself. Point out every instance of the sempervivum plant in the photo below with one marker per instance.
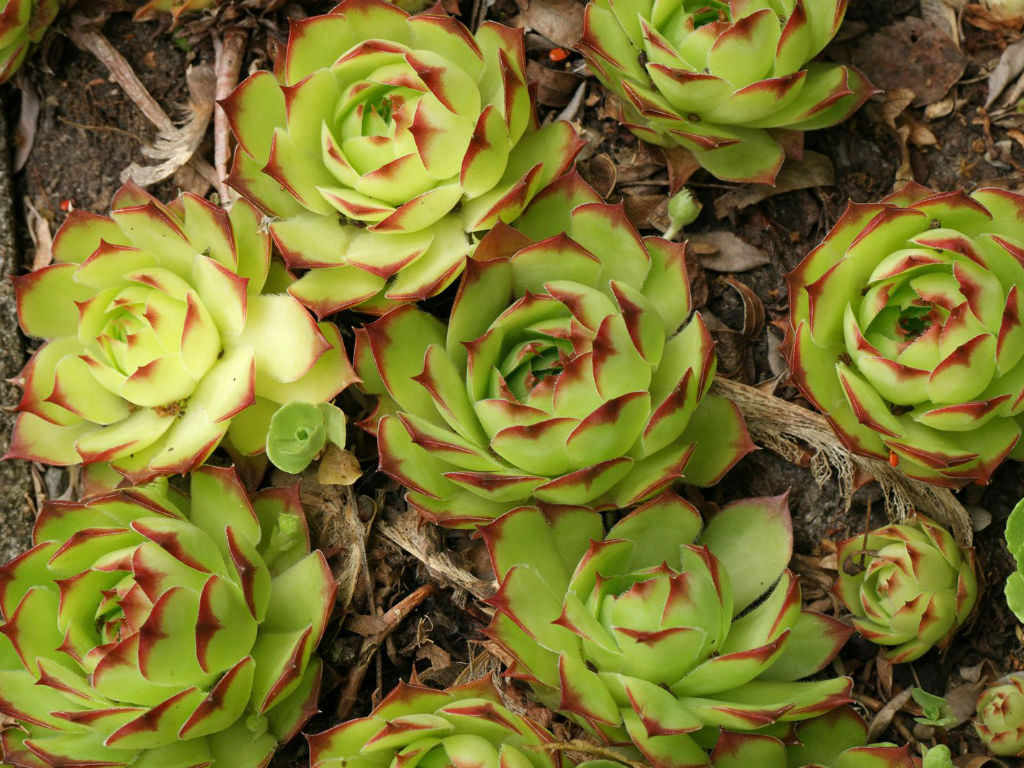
(161, 338)
(383, 142)
(720, 77)
(908, 585)
(22, 23)
(463, 726)
(1000, 716)
(837, 739)
(176, 8)
(149, 629)
(568, 372)
(908, 330)
(644, 635)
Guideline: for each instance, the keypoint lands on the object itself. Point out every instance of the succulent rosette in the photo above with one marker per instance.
(151, 8)
(149, 629)
(908, 332)
(644, 635)
(568, 372)
(22, 23)
(1000, 717)
(162, 336)
(908, 586)
(463, 726)
(384, 141)
(722, 79)
(837, 739)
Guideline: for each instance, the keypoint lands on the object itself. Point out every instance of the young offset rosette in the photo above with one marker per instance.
(658, 629)
(1000, 717)
(908, 330)
(568, 372)
(149, 629)
(463, 726)
(383, 142)
(723, 78)
(908, 586)
(162, 336)
(22, 23)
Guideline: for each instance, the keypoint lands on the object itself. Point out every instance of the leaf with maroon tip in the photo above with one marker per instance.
(224, 703)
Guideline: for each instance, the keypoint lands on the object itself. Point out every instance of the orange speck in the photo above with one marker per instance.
(894, 460)
(67, 205)
(558, 54)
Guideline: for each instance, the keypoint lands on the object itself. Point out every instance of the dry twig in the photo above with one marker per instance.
(381, 627)
(228, 52)
(83, 35)
(406, 534)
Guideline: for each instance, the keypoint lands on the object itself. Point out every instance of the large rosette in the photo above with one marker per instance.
(571, 372)
(166, 329)
(384, 142)
(908, 332)
(657, 629)
(148, 629)
(722, 78)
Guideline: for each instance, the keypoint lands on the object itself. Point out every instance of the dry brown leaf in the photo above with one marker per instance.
(911, 51)
(725, 252)
(28, 120)
(883, 718)
(560, 21)
(813, 170)
(940, 109)
(942, 13)
(1009, 68)
(42, 239)
(338, 467)
(555, 87)
(599, 171)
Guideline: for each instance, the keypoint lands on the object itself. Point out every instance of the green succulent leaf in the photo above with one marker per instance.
(299, 431)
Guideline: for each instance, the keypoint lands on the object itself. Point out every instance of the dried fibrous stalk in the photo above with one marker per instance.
(793, 432)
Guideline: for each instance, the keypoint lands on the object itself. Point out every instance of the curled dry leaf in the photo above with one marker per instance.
(943, 14)
(28, 120)
(555, 87)
(338, 466)
(725, 252)
(1009, 68)
(600, 173)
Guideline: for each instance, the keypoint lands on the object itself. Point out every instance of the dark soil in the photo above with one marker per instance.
(88, 131)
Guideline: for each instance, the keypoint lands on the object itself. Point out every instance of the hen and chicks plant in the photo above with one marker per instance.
(166, 330)
(908, 331)
(908, 585)
(661, 627)
(728, 81)
(151, 629)
(571, 372)
(383, 143)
